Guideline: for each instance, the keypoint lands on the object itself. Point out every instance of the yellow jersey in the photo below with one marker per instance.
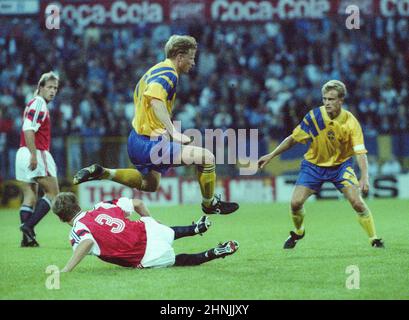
(158, 82)
(333, 141)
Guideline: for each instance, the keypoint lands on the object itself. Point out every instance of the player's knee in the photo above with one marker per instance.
(149, 186)
(208, 157)
(358, 205)
(29, 201)
(296, 205)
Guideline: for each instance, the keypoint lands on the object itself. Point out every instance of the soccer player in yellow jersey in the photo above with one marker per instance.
(335, 136)
(154, 144)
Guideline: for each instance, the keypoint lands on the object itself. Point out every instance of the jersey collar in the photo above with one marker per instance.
(170, 63)
(41, 98)
(78, 217)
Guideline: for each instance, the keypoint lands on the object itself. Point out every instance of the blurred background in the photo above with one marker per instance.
(259, 65)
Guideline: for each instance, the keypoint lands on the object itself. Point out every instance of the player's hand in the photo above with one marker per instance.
(264, 160)
(364, 185)
(181, 138)
(33, 163)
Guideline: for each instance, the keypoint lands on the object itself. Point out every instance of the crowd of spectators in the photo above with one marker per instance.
(264, 76)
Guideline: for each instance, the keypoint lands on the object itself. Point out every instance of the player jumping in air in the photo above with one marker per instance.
(154, 138)
(335, 136)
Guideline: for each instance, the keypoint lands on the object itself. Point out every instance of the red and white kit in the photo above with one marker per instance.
(37, 118)
(118, 240)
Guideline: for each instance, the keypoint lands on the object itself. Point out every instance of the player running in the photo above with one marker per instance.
(154, 144)
(335, 136)
(34, 163)
(107, 232)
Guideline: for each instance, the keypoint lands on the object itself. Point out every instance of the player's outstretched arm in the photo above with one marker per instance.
(286, 144)
(162, 114)
(140, 208)
(80, 252)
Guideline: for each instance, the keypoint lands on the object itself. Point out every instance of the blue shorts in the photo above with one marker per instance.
(148, 154)
(313, 176)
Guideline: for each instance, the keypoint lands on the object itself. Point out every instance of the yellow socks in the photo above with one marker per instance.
(128, 177)
(298, 219)
(206, 175)
(366, 221)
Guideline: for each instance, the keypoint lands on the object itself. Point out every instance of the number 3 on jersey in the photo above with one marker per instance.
(106, 219)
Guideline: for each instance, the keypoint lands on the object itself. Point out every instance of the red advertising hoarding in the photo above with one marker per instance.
(129, 12)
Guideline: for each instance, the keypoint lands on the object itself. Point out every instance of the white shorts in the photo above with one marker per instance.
(159, 252)
(45, 167)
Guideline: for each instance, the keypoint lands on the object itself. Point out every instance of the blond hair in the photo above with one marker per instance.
(43, 80)
(65, 206)
(179, 44)
(337, 86)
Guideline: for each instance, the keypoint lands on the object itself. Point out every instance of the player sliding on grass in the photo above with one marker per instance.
(107, 233)
(335, 136)
(154, 99)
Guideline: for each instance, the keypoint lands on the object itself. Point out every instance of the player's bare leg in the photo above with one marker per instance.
(206, 175)
(50, 187)
(297, 211)
(27, 208)
(365, 218)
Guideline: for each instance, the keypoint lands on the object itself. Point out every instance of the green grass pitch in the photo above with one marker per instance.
(261, 269)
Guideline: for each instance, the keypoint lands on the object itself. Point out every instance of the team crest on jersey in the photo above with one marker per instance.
(331, 135)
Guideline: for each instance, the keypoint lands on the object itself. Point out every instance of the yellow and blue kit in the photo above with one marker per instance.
(147, 148)
(332, 144)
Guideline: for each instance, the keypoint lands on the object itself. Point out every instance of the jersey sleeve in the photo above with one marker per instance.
(79, 233)
(301, 133)
(35, 115)
(357, 137)
(162, 86)
(126, 205)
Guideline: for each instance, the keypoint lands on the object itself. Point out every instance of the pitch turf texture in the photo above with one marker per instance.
(261, 269)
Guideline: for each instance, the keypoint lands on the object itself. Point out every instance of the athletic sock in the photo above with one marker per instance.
(184, 231)
(128, 177)
(41, 209)
(206, 176)
(25, 213)
(298, 220)
(194, 259)
(366, 221)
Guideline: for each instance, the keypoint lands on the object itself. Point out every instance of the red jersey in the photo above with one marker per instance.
(37, 117)
(117, 239)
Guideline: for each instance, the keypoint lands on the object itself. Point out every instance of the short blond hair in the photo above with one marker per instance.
(179, 44)
(65, 206)
(337, 86)
(43, 80)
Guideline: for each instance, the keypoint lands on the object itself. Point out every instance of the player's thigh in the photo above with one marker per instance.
(49, 185)
(300, 195)
(196, 155)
